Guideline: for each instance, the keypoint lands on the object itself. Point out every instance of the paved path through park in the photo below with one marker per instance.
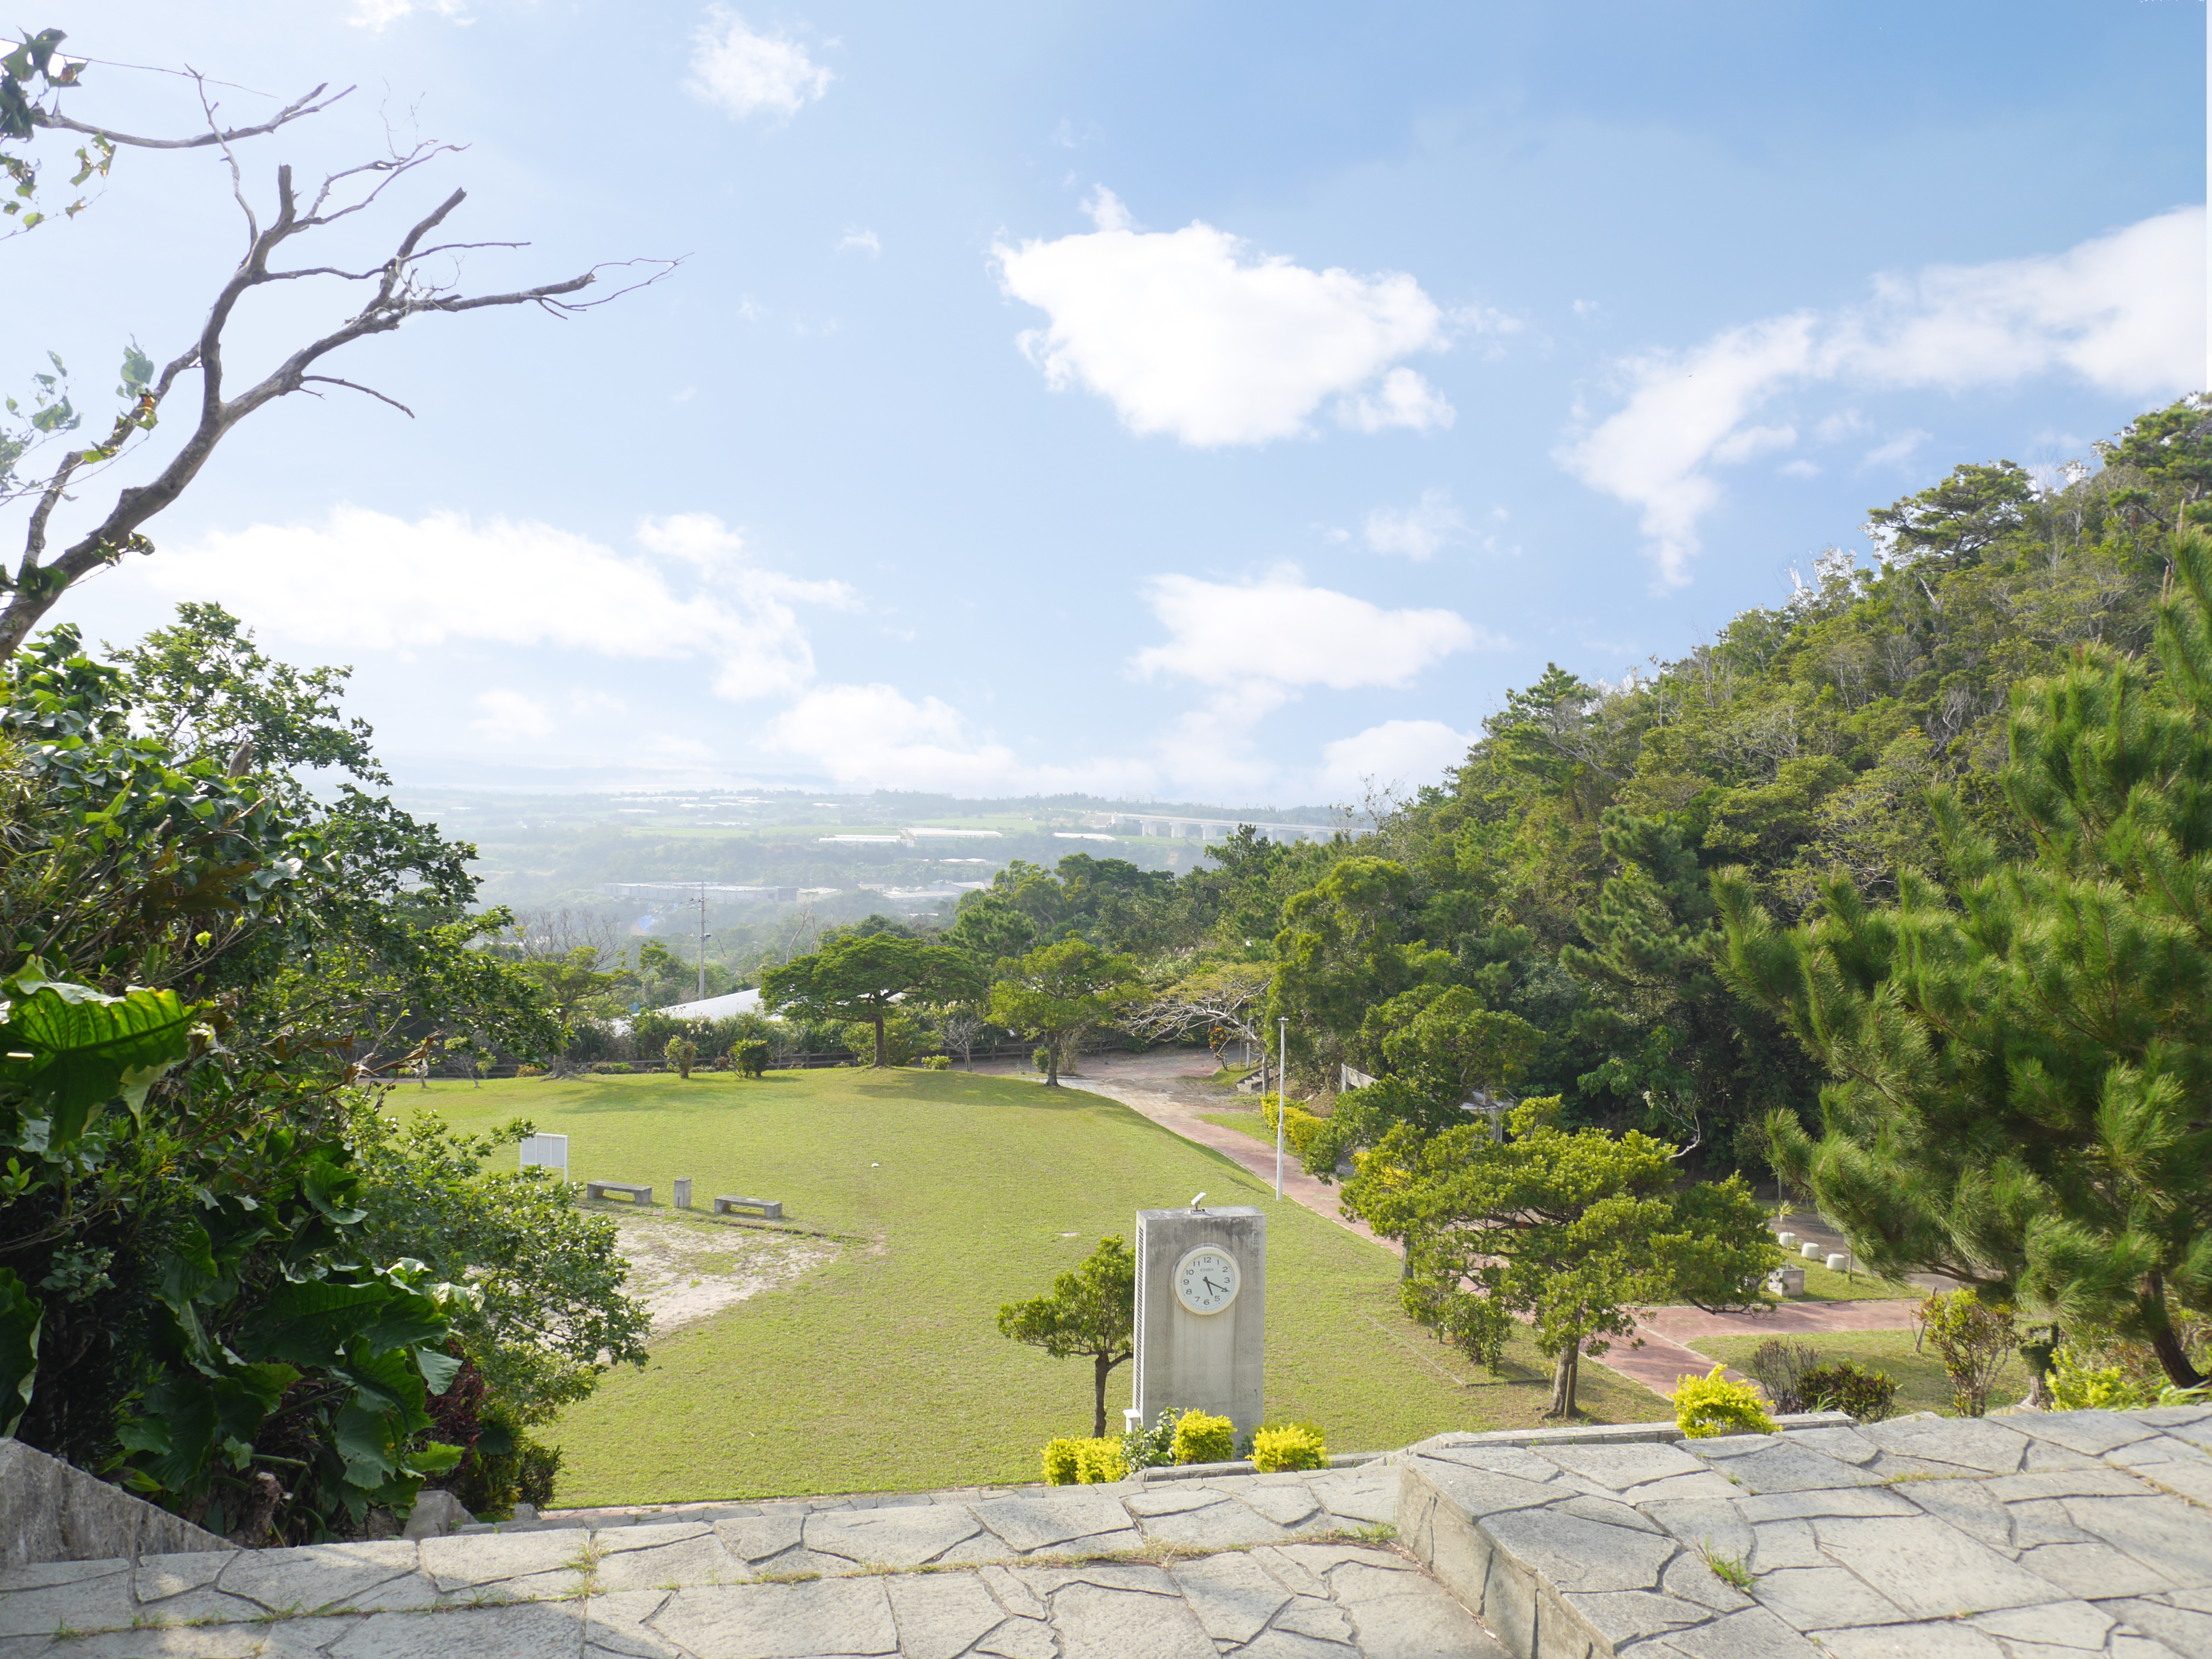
(1169, 1087)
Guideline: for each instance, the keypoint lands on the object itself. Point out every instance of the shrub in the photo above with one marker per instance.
(1100, 1462)
(1063, 1458)
(1283, 1446)
(683, 1055)
(1711, 1405)
(1779, 1368)
(1199, 1438)
(1847, 1386)
(1974, 1339)
(537, 1473)
(750, 1056)
(935, 1062)
(614, 1068)
(2079, 1383)
(1298, 1128)
(530, 1070)
(1042, 1059)
(1152, 1447)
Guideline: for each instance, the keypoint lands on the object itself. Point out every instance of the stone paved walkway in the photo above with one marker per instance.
(2035, 1537)
(1259, 1567)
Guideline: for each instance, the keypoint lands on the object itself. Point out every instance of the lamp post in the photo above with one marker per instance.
(1282, 1100)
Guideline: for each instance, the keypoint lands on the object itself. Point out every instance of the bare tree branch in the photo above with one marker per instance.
(401, 292)
(299, 109)
(332, 380)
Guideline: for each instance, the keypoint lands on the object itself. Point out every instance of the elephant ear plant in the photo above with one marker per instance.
(206, 962)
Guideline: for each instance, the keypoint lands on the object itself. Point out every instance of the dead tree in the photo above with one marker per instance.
(401, 286)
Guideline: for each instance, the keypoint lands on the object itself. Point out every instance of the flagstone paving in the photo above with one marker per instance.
(2034, 1536)
(1259, 1566)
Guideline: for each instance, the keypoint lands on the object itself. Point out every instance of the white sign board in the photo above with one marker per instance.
(547, 1151)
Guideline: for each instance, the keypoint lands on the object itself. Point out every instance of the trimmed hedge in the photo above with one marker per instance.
(1280, 1447)
(1199, 1438)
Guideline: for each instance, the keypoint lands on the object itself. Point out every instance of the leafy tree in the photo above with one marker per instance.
(2020, 1050)
(1969, 511)
(682, 1054)
(1059, 991)
(1348, 944)
(1441, 1047)
(551, 1313)
(860, 978)
(1571, 1230)
(1091, 1312)
(181, 1219)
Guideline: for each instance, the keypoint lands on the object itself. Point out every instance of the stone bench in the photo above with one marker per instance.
(601, 1188)
(768, 1208)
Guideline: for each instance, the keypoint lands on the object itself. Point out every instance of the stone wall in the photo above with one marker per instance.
(51, 1511)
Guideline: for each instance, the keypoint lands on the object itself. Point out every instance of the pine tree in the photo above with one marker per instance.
(2022, 1048)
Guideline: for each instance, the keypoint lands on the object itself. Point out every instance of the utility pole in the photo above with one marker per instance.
(704, 937)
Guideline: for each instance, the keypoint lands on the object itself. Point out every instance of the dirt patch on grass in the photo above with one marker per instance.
(688, 1271)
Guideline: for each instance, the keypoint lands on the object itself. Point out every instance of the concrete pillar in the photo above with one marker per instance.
(1215, 1362)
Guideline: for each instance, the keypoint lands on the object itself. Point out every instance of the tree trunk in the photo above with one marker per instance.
(1052, 1081)
(1563, 1381)
(882, 1049)
(1102, 1364)
(2163, 1342)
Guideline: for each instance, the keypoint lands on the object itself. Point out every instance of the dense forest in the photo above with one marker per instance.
(1559, 880)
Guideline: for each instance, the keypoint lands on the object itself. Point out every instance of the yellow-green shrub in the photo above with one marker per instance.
(1099, 1462)
(1069, 1461)
(2078, 1383)
(1707, 1405)
(1202, 1439)
(1280, 1446)
(1063, 1462)
(1297, 1128)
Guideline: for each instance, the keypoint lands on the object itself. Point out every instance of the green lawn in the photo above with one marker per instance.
(1920, 1384)
(1821, 1285)
(884, 1370)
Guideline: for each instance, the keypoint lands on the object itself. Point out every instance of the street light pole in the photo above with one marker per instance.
(1282, 1101)
(704, 937)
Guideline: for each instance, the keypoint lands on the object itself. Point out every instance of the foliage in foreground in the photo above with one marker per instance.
(213, 961)
(1711, 1405)
(2021, 1047)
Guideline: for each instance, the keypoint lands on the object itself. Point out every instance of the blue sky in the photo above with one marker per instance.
(1225, 403)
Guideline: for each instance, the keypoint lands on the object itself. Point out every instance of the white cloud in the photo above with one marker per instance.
(1897, 449)
(1279, 630)
(745, 74)
(1418, 530)
(366, 580)
(1193, 332)
(1400, 755)
(1753, 441)
(862, 242)
(2124, 312)
(1799, 469)
(376, 15)
(504, 716)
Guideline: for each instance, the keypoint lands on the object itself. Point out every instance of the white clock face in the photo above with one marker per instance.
(1207, 1280)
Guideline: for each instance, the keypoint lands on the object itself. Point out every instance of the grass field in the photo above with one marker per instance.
(1920, 1384)
(884, 1370)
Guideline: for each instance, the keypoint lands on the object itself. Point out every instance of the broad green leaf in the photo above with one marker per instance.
(20, 1317)
(434, 1457)
(439, 1369)
(86, 1048)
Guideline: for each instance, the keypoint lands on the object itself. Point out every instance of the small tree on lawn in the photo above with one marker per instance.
(860, 978)
(1569, 1230)
(1061, 991)
(682, 1054)
(1091, 1312)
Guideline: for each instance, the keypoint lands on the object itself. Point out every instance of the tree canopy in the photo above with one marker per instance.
(861, 977)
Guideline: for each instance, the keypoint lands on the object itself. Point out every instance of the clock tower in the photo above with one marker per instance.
(1202, 1314)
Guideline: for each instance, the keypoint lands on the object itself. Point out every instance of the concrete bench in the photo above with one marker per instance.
(601, 1188)
(768, 1208)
